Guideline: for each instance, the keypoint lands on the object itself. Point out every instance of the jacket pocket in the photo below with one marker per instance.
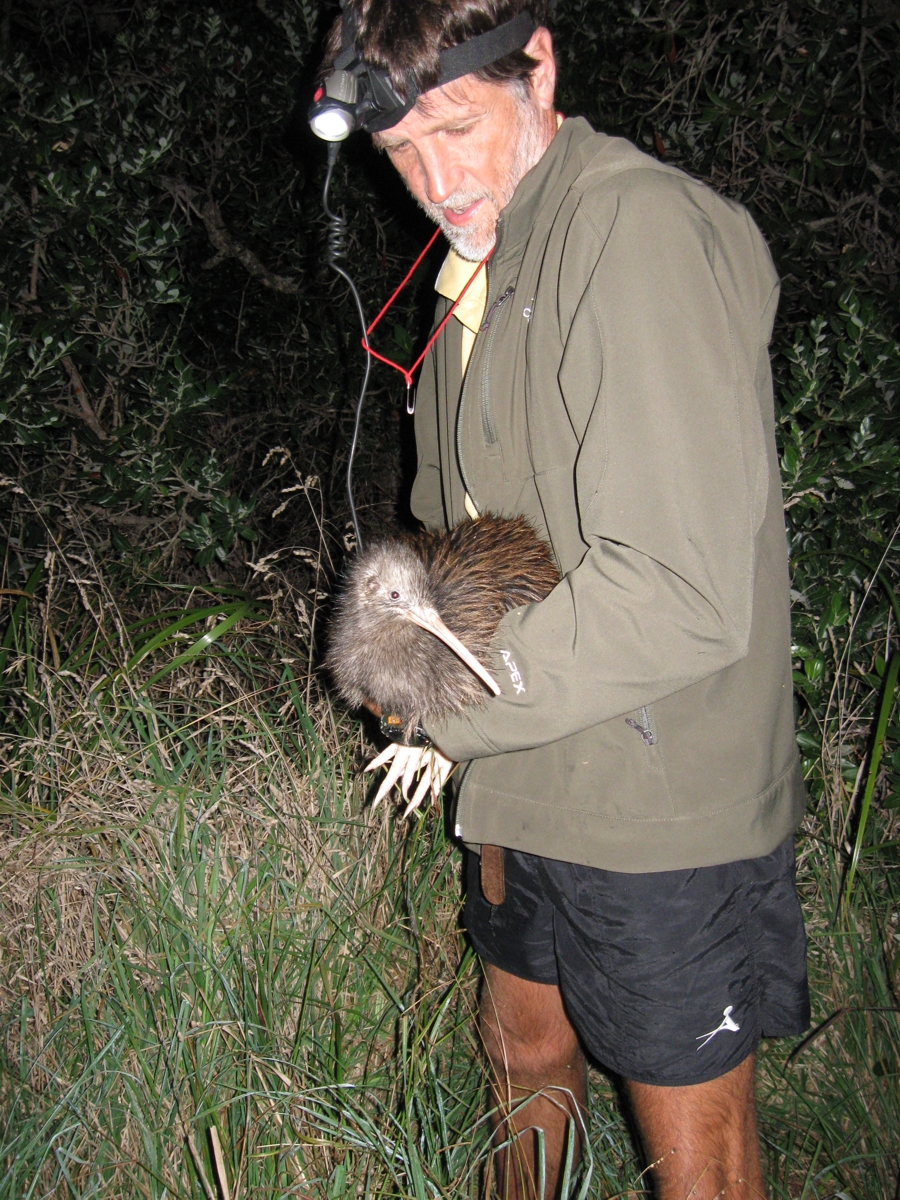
(621, 766)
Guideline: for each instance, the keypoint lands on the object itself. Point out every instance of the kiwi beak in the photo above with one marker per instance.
(427, 618)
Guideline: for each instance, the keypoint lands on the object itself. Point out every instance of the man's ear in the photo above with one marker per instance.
(542, 79)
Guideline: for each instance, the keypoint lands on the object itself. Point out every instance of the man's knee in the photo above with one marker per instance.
(700, 1139)
(525, 1028)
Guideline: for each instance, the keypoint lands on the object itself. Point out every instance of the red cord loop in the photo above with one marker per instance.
(408, 374)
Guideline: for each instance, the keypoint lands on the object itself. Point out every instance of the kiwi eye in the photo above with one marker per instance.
(395, 595)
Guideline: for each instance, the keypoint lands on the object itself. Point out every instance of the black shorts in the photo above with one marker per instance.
(670, 978)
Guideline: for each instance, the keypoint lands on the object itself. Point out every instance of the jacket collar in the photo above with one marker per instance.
(547, 181)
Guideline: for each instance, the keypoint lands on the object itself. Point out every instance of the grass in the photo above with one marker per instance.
(831, 1103)
(220, 975)
(223, 975)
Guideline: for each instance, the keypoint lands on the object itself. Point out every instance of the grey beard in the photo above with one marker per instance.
(474, 243)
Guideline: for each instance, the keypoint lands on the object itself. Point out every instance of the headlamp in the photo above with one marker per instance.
(358, 96)
(333, 112)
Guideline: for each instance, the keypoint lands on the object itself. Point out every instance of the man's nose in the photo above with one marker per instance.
(440, 176)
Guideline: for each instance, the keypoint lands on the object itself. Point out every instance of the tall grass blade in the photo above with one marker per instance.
(885, 708)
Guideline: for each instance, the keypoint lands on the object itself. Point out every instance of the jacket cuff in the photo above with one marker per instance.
(460, 739)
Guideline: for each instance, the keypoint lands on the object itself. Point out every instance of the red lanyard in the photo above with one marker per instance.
(408, 374)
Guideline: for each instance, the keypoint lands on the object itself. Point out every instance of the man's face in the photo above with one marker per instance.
(463, 150)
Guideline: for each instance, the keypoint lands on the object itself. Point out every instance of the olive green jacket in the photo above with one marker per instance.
(619, 395)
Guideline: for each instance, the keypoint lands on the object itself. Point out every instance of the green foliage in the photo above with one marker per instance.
(223, 952)
(829, 1108)
(100, 407)
(838, 423)
(161, 288)
(789, 108)
(839, 416)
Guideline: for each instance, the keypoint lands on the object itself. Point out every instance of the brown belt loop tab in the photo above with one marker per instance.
(493, 881)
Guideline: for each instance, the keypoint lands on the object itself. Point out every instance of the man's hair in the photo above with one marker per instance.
(404, 36)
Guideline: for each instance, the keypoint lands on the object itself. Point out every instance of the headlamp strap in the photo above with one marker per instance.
(349, 30)
(387, 105)
(486, 48)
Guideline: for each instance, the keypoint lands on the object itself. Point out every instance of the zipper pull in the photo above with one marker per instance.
(497, 303)
(644, 728)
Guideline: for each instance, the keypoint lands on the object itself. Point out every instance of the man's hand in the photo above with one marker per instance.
(408, 761)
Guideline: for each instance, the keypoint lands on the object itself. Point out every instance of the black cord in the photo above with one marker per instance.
(337, 248)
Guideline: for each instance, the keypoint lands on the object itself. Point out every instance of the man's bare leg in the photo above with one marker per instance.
(532, 1048)
(702, 1139)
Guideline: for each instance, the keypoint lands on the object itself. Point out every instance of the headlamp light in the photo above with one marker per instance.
(333, 114)
(332, 121)
(358, 96)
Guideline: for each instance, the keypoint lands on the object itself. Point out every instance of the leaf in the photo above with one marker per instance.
(814, 668)
(203, 643)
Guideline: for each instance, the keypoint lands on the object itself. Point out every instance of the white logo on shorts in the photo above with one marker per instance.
(727, 1023)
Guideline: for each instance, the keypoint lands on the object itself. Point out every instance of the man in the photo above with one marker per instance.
(639, 770)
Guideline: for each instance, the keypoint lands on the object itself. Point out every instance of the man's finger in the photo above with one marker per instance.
(390, 779)
(425, 786)
(413, 764)
(382, 758)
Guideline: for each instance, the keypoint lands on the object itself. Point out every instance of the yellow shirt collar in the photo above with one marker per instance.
(453, 277)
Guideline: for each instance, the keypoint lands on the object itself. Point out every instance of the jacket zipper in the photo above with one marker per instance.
(460, 790)
(487, 416)
(486, 422)
(489, 315)
(459, 454)
(645, 727)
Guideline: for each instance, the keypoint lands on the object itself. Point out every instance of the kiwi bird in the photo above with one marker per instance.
(417, 613)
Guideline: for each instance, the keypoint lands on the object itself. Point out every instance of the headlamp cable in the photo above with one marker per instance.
(337, 246)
